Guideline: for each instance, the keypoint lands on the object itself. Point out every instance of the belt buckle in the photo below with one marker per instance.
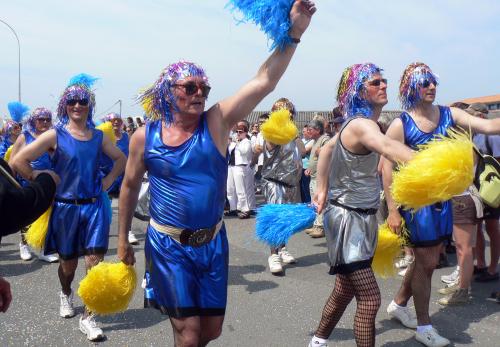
(196, 238)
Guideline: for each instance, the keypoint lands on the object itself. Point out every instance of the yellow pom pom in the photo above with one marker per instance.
(279, 128)
(6, 156)
(443, 168)
(388, 249)
(35, 236)
(107, 129)
(108, 287)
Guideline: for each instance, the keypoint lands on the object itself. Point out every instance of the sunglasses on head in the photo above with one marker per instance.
(73, 102)
(192, 88)
(44, 120)
(377, 82)
(425, 83)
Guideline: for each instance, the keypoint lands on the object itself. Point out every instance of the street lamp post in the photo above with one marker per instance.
(19, 55)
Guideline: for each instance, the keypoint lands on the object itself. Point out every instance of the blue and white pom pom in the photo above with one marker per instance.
(271, 16)
(276, 223)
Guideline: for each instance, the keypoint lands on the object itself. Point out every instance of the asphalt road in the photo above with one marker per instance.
(263, 310)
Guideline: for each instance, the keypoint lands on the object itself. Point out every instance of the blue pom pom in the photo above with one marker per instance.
(84, 79)
(271, 16)
(17, 110)
(276, 223)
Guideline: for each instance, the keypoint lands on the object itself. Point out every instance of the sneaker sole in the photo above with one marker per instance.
(67, 316)
(98, 338)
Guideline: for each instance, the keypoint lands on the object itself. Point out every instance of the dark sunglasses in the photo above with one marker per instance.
(427, 82)
(73, 102)
(377, 82)
(240, 131)
(192, 88)
(44, 120)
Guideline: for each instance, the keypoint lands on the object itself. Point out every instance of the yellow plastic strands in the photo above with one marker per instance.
(35, 236)
(441, 169)
(107, 129)
(388, 249)
(108, 287)
(6, 157)
(279, 128)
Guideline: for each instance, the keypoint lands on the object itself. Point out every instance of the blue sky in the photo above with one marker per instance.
(127, 43)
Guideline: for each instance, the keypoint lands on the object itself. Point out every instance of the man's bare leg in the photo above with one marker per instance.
(196, 331)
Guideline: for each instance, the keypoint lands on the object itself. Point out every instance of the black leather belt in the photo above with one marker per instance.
(355, 209)
(196, 238)
(77, 201)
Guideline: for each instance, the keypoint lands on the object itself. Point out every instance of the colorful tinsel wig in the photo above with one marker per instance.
(158, 99)
(39, 112)
(351, 85)
(79, 88)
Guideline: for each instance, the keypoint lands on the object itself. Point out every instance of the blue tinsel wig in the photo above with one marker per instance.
(39, 112)
(413, 76)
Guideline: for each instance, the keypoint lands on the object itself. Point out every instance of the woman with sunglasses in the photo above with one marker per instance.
(39, 122)
(80, 221)
(429, 226)
(12, 129)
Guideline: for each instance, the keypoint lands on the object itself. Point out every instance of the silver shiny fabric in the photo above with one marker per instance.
(354, 183)
(351, 236)
(283, 164)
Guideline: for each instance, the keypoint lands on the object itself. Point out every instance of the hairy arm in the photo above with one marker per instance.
(324, 162)
(129, 193)
(395, 132)
(476, 124)
(119, 161)
(21, 162)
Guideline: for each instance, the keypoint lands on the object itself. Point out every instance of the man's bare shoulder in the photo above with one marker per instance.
(138, 138)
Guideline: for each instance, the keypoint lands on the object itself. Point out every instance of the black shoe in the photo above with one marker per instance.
(487, 277)
(496, 296)
(232, 213)
(244, 215)
(479, 270)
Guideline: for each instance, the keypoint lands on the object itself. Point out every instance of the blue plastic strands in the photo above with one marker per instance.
(82, 79)
(276, 223)
(17, 110)
(271, 16)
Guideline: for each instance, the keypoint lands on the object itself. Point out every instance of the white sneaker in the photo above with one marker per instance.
(25, 252)
(451, 278)
(275, 264)
(402, 273)
(316, 344)
(286, 257)
(132, 239)
(50, 258)
(403, 314)
(144, 283)
(89, 327)
(431, 338)
(66, 309)
(405, 262)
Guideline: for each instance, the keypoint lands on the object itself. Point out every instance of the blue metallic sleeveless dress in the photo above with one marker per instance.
(106, 164)
(4, 146)
(432, 224)
(78, 229)
(187, 187)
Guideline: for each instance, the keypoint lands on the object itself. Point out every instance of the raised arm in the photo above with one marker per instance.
(18, 145)
(478, 125)
(21, 162)
(129, 193)
(323, 170)
(119, 161)
(228, 111)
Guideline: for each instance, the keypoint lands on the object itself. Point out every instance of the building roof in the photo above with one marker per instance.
(491, 99)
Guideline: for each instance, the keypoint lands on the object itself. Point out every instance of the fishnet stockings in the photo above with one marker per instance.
(362, 285)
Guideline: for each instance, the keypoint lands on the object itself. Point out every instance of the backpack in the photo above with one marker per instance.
(487, 178)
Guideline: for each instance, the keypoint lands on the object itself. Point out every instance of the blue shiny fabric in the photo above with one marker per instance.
(432, 224)
(77, 164)
(106, 163)
(184, 281)
(75, 230)
(4, 146)
(187, 182)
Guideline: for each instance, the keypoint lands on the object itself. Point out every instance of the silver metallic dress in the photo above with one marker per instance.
(349, 220)
(281, 173)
